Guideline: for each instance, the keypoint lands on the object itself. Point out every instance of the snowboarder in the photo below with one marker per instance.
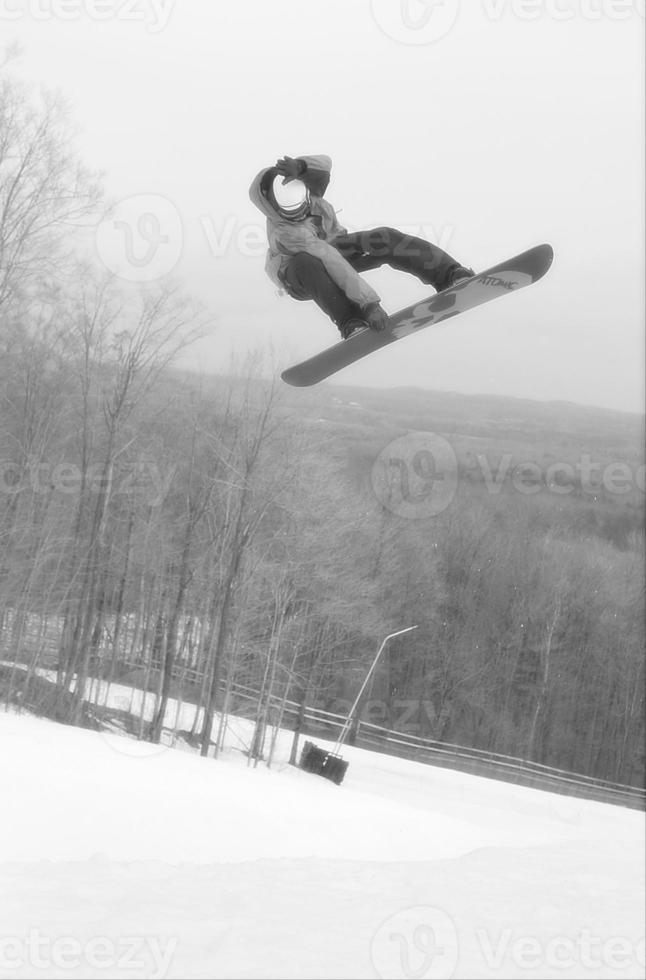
(312, 257)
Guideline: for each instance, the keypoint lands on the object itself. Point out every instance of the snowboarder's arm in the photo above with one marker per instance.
(316, 175)
(314, 171)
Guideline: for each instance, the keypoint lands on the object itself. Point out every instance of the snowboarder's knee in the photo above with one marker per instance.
(303, 275)
(384, 231)
(303, 262)
(380, 239)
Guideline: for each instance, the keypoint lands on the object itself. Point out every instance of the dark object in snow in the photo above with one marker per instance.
(322, 763)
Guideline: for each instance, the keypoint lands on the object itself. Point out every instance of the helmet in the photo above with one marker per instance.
(291, 199)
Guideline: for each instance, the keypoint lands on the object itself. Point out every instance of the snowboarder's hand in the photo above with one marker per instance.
(289, 168)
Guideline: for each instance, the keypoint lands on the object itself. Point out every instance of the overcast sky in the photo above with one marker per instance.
(487, 126)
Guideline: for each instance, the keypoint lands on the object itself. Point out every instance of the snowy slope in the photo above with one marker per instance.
(123, 859)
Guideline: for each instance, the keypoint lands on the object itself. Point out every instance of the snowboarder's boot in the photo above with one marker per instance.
(372, 316)
(459, 275)
(349, 326)
(375, 317)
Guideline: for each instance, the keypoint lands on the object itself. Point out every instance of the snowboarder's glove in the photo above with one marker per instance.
(289, 168)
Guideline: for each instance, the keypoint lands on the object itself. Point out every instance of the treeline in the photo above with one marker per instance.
(185, 536)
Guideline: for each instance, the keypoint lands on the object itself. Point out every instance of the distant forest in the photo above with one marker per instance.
(185, 534)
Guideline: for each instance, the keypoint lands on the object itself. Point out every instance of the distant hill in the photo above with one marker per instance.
(476, 415)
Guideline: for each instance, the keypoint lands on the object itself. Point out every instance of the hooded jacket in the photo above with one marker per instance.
(314, 234)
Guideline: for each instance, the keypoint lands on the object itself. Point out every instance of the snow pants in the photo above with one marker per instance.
(305, 277)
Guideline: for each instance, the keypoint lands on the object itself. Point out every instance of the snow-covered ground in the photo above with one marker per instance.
(122, 859)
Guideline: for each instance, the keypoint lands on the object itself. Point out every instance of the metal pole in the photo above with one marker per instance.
(348, 721)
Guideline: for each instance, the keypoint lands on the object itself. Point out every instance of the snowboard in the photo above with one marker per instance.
(515, 273)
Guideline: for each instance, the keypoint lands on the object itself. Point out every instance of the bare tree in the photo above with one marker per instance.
(45, 191)
(143, 340)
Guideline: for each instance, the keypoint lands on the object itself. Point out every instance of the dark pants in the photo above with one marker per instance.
(307, 278)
